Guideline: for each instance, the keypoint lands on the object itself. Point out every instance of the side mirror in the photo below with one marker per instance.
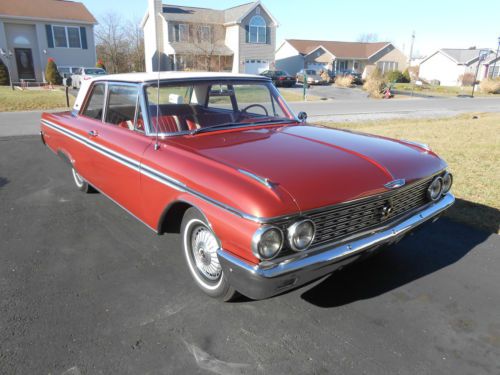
(302, 116)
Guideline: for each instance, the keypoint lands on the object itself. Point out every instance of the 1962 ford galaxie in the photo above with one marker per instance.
(264, 202)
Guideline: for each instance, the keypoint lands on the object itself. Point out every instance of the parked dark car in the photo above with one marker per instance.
(279, 77)
(355, 75)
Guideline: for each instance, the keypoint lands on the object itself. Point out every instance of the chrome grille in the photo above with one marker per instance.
(345, 219)
(337, 222)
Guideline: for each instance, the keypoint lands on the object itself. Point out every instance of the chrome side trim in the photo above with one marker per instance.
(265, 280)
(175, 184)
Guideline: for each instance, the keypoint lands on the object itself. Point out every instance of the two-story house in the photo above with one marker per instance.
(241, 39)
(32, 31)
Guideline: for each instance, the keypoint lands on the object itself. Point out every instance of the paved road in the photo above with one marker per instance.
(87, 289)
(26, 123)
(362, 109)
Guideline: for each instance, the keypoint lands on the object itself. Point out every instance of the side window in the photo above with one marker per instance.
(122, 102)
(95, 104)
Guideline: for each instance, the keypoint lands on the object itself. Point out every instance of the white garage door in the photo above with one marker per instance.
(256, 66)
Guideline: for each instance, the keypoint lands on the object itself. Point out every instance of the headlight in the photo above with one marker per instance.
(447, 182)
(301, 234)
(435, 189)
(267, 242)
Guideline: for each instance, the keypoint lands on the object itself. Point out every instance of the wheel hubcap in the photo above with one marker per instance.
(204, 249)
(78, 178)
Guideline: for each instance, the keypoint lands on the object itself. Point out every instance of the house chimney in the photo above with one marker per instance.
(155, 8)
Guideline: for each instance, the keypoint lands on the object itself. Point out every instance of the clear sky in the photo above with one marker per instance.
(437, 23)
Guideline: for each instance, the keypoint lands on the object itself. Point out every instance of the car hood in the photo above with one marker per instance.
(317, 166)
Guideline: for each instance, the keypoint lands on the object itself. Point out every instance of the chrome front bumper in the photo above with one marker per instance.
(266, 280)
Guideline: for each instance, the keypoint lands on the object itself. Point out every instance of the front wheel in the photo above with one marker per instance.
(200, 249)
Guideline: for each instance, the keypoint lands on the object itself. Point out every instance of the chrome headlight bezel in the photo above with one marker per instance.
(434, 195)
(292, 231)
(447, 182)
(257, 238)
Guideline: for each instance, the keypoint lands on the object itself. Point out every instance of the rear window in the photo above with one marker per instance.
(94, 71)
(311, 72)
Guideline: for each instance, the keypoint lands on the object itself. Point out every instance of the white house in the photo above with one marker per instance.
(241, 39)
(295, 54)
(447, 65)
(32, 31)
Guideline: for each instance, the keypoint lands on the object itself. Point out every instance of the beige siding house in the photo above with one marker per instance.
(241, 39)
(32, 31)
(295, 54)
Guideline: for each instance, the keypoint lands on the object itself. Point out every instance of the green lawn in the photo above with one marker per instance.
(472, 149)
(28, 100)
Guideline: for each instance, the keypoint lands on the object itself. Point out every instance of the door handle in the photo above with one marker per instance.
(92, 133)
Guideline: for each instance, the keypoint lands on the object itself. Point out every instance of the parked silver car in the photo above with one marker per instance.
(313, 77)
(83, 74)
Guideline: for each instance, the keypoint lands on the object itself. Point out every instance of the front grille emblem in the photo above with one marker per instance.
(386, 211)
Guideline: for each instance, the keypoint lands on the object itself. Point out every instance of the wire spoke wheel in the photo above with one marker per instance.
(204, 252)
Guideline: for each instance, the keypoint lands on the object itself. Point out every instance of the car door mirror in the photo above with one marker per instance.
(302, 116)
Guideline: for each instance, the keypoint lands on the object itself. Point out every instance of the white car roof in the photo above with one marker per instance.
(148, 77)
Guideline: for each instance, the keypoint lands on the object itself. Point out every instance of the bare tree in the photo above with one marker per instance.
(112, 43)
(207, 42)
(368, 38)
(135, 43)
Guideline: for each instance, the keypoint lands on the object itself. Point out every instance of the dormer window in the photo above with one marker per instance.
(257, 30)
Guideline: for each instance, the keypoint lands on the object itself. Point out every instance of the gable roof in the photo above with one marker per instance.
(207, 15)
(357, 50)
(462, 56)
(61, 10)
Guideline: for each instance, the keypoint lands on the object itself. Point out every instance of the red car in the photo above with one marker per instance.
(263, 201)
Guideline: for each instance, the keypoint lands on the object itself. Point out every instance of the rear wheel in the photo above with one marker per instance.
(81, 183)
(200, 249)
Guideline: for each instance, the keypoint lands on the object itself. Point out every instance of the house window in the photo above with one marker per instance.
(257, 30)
(66, 37)
(387, 66)
(341, 65)
(182, 33)
(204, 33)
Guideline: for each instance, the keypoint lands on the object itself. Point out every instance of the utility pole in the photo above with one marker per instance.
(411, 48)
(482, 55)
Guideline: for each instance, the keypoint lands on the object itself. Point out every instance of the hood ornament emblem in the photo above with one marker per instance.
(395, 184)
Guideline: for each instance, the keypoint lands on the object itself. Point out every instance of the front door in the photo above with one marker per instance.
(24, 61)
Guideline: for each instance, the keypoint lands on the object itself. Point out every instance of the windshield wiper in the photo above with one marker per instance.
(237, 124)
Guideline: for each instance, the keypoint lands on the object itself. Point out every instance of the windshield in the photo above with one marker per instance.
(201, 106)
(95, 72)
(311, 72)
(281, 73)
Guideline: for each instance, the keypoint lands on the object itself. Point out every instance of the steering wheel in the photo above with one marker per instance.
(244, 110)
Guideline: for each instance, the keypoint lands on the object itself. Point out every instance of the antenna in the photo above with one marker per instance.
(157, 145)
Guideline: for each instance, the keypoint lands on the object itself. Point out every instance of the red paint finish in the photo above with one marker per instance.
(309, 167)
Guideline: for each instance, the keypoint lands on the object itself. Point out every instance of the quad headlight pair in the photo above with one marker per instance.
(269, 240)
(439, 186)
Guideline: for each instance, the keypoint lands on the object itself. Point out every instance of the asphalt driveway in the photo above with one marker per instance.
(87, 289)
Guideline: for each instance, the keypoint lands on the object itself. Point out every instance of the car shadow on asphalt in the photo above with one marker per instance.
(426, 251)
(3, 181)
(482, 216)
